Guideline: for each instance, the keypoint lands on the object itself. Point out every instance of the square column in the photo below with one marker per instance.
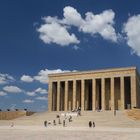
(133, 91)
(74, 94)
(83, 95)
(50, 97)
(93, 94)
(103, 93)
(66, 96)
(122, 93)
(58, 95)
(112, 94)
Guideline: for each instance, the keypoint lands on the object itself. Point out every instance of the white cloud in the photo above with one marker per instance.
(41, 98)
(56, 33)
(42, 76)
(28, 101)
(132, 30)
(26, 78)
(72, 17)
(2, 93)
(101, 24)
(31, 93)
(12, 89)
(6, 78)
(41, 91)
(55, 30)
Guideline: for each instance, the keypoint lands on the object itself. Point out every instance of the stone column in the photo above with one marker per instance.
(74, 94)
(58, 95)
(112, 94)
(133, 91)
(122, 93)
(82, 94)
(93, 94)
(66, 96)
(50, 97)
(103, 93)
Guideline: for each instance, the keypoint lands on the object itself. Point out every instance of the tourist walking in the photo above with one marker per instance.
(90, 123)
(45, 123)
(64, 123)
(54, 123)
(93, 124)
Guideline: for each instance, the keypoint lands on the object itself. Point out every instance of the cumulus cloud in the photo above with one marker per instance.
(55, 30)
(6, 78)
(42, 76)
(12, 89)
(41, 98)
(132, 31)
(2, 93)
(28, 101)
(31, 93)
(26, 78)
(56, 33)
(37, 91)
(41, 91)
(72, 17)
(101, 24)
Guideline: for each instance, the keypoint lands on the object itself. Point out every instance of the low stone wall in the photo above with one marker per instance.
(9, 115)
(133, 114)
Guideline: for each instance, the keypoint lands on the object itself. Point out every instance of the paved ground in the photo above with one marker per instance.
(67, 133)
(108, 127)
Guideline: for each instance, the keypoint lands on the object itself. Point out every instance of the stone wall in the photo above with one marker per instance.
(9, 115)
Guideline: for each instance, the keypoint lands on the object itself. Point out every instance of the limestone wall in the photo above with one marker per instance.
(9, 115)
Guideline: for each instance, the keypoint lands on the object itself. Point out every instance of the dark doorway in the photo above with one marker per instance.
(54, 96)
(62, 90)
(127, 92)
(98, 94)
(88, 94)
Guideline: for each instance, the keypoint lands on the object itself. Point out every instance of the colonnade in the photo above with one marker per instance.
(111, 93)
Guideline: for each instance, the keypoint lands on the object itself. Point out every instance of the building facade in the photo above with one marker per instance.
(109, 89)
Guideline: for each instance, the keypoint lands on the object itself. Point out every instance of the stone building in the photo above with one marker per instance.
(109, 89)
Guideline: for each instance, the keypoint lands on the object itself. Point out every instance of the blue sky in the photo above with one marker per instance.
(48, 36)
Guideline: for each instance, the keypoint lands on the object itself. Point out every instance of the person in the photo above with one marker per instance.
(63, 123)
(12, 124)
(79, 111)
(93, 124)
(54, 123)
(49, 122)
(59, 121)
(90, 123)
(70, 118)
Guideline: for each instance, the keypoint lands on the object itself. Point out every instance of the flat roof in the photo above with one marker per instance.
(92, 71)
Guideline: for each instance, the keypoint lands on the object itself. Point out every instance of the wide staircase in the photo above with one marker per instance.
(105, 119)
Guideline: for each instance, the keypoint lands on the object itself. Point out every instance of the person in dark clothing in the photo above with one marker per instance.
(64, 123)
(90, 123)
(45, 123)
(93, 124)
(54, 123)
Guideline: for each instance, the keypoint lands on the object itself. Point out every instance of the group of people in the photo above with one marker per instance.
(78, 110)
(46, 123)
(91, 124)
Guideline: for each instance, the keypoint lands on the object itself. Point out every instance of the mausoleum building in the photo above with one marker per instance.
(108, 89)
